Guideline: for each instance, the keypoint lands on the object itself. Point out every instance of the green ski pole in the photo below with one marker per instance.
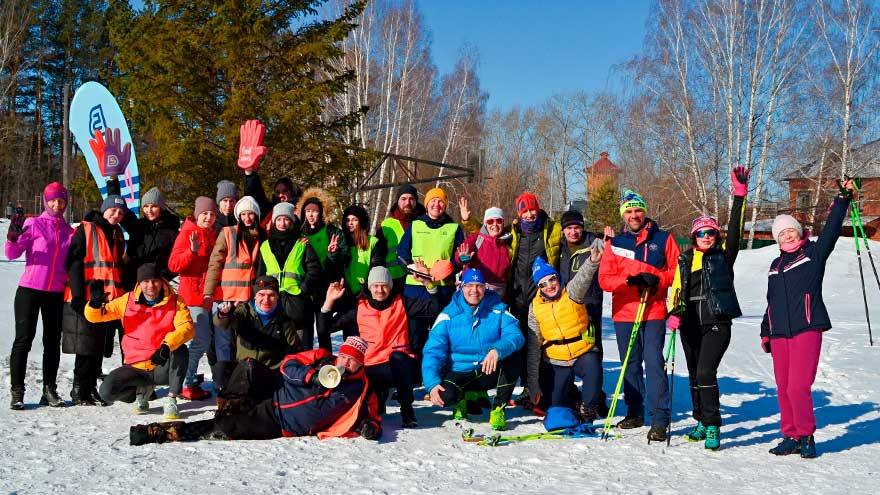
(670, 354)
(853, 216)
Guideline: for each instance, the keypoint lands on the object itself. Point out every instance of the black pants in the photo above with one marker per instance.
(399, 372)
(704, 346)
(503, 380)
(122, 383)
(521, 356)
(85, 371)
(29, 304)
(594, 311)
(299, 309)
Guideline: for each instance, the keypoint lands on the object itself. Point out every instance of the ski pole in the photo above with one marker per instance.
(852, 217)
(864, 237)
(670, 354)
(632, 339)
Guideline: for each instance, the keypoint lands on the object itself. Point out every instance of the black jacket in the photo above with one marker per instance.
(150, 242)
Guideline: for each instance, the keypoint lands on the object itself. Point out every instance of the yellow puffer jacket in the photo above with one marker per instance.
(562, 323)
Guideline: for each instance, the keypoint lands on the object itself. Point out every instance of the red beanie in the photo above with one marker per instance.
(355, 348)
(526, 201)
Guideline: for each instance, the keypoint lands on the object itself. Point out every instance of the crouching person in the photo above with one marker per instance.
(470, 348)
(305, 400)
(157, 324)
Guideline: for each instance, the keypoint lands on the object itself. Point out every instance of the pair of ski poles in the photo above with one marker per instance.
(670, 354)
(855, 216)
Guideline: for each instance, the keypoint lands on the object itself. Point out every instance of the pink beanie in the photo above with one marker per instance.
(704, 222)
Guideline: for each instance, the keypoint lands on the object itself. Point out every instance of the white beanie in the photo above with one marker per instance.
(379, 275)
(247, 203)
(283, 209)
(493, 212)
(783, 222)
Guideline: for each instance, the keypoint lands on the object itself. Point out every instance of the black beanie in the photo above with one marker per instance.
(572, 217)
(295, 191)
(360, 213)
(407, 189)
(148, 271)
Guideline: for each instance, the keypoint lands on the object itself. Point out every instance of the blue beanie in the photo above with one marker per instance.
(472, 276)
(541, 269)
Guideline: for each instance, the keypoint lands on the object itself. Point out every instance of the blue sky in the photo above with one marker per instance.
(530, 50)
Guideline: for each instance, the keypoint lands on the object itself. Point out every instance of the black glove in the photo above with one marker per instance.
(78, 305)
(845, 193)
(16, 223)
(97, 298)
(644, 280)
(161, 356)
(369, 429)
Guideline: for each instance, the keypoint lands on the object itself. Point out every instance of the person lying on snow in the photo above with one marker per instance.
(315, 393)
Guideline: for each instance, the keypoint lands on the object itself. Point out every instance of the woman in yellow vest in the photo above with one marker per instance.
(364, 250)
(562, 336)
(291, 259)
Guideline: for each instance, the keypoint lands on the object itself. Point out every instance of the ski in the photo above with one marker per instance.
(582, 431)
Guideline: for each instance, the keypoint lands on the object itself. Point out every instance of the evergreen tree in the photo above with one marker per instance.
(602, 207)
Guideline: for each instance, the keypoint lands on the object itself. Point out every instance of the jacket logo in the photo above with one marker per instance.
(652, 247)
(623, 253)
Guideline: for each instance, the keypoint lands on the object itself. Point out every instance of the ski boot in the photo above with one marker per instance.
(807, 446)
(787, 446)
(657, 433)
(713, 438)
(497, 419)
(17, 401)
(50, 397)
(170, 410)
(698, 434)
(459, 412)
(631, 422)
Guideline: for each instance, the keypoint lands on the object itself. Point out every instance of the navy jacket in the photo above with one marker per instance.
(794, 284)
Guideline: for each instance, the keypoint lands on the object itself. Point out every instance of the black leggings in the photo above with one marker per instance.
(503, 380)
(122, 383)
(399, 372)
(29, 304)
(704, 346)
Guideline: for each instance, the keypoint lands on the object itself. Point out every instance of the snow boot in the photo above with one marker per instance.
(141, 400)
(195, 392)
(713, 438)
(631, 422)
(477, 400)
(787, 446)
(460, 410)
(170, 410)
(585, 413)
(698, 434)
(497, 419)
(17, 401)
(807, 446)
(96, 399)
(657, 433)
(50, 397)
(408, 416)
(524, 400)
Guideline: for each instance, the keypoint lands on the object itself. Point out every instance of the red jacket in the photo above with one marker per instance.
(192, 267)
(650, 250)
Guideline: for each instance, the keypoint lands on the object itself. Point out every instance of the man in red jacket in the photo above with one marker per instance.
(642, 259)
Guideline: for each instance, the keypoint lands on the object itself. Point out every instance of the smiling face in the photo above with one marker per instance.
(379, 292)
(473, 293)
(406, 203)
(57, 205)
(529, 215)
(352, 223)
(282, 223)
(436, 208)
(282, 193)
(113, 215)
(705, 239)
(494, 226)
(248, 218)
(634, 218)
(573, 233)
(266, 300)
(152, 212)
(312, 214)
(206, 219)
(789, 235)
(549, 286)
(150, 288)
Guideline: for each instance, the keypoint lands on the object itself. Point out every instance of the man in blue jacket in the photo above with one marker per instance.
(470, 348)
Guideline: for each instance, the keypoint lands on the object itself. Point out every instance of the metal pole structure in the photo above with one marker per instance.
(65, 150)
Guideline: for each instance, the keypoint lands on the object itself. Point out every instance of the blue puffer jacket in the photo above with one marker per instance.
(794, 284)
(462, 335)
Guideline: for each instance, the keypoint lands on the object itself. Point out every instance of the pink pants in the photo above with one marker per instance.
(794, 364)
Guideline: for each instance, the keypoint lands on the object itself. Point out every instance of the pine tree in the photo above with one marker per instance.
(602, 207)
(193, 71)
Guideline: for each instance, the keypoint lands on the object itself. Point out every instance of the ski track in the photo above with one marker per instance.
(85, 450)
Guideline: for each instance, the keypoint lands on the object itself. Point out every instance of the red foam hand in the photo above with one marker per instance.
(97, 144)
(251, 149)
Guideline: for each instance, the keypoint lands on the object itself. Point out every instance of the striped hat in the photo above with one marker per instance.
(632, 199)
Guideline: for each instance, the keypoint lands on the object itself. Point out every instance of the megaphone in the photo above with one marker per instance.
(329, 376)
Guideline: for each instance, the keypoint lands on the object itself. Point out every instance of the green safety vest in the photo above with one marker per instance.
(290, 277)
(393, 232)
(320, 240)
(358, 268)
(430, 245)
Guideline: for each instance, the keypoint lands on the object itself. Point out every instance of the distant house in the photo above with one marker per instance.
(802, 190)
(600, 171)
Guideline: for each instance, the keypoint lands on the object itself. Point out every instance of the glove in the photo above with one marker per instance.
(765, 344)
(251, 149)
(78, 305)
(97, 298)
(16, 227)
(161, 356)
(845, 192)
(644, 280)
(12, 234)
(369, 429)
(739, 178)
(673, 322)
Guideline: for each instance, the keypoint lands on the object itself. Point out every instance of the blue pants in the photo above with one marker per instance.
(199, 344)
(648, 347)
(587, 367)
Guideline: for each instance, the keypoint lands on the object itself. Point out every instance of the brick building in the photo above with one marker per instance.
(600, 171)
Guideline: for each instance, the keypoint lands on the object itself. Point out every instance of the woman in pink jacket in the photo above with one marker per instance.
(44, 241)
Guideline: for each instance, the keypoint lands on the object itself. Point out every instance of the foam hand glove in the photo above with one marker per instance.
(251, 149)
(739, 178)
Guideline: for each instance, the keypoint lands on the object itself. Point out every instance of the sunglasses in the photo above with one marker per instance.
(706, 233)
(495, 221)
(552, 280)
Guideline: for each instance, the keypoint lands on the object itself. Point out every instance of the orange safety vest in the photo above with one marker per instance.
(384, 331)
(146, 327)
(100, 263)
(238, 272)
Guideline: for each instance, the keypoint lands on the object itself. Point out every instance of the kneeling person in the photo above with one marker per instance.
(456, 359)
(157, 324)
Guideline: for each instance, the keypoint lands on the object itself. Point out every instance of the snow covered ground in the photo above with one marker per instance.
(85, 450)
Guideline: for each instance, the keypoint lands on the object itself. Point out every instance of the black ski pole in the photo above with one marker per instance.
(852, 217)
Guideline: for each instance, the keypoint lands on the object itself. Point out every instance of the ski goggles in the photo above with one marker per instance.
(706, 233)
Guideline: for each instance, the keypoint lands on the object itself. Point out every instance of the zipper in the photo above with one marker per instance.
(807, 309)
(54, 260)
(311, 398)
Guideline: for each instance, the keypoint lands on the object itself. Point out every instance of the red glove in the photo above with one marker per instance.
(765, 344)
(673, 322)
(251, 149)
(739, 178)
(97, 145)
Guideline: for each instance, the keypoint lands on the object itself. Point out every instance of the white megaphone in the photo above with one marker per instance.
(329, 376)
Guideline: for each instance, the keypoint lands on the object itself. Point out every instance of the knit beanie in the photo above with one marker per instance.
(783, 222)
(704, 222)
(355, 348)
(541, 269)
(525, 202)
(407, 189)
(435, 193)
(54, 190)
(226, 189)
(572, 217)
(203, 204)
(632, 199)
(472, 276)
(493, 212)
(379, 275)
(246, 203)
(295, 191)
(265, 282)
(358, 212)
(112, 201)
(148, 271)
(154, 197)
(283, 209)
